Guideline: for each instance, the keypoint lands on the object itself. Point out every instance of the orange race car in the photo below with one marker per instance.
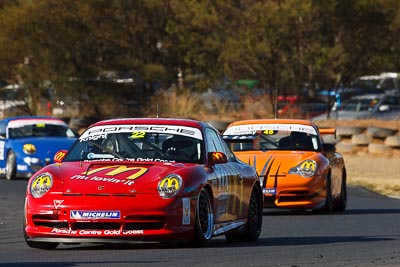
(297, 169)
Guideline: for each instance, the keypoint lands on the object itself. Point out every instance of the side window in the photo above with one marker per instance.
(388, 84)
(2, 129)
(392, 101)
(216, 144)
(213, 142)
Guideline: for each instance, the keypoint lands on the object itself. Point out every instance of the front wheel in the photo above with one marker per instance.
(204, 222)
(254, 220)
(11, 166)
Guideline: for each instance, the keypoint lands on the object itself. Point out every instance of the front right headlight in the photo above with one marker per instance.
(41, 184)
(169, 186)
(307, 168)
(29, 148)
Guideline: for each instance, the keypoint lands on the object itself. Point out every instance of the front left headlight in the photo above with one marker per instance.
(169, 186)
(29, 148)
(41, 184)
(306, 169)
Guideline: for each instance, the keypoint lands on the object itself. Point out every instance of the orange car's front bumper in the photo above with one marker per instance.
(293, 191)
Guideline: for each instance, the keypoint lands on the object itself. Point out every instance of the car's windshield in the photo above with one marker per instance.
(274, 137)
(366, 83)
(38, 128)
(139, 143)
(360, 104)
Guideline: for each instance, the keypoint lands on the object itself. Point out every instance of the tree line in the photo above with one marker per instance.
(282, 44)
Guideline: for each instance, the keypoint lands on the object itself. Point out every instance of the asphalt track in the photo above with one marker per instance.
(367, 234)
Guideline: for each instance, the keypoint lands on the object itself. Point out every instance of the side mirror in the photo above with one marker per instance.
(60, 155)
(329, 148)
(216, 158)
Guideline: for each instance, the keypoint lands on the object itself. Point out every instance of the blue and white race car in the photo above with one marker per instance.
(28, 143)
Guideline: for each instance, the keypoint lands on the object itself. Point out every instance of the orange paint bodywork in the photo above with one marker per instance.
(281, 187)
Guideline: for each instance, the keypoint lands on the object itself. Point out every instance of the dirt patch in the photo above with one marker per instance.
(379, 174)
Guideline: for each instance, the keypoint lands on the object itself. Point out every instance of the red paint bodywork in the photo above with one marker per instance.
(124, 195)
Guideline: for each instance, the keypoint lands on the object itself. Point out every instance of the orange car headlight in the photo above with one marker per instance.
(307, 168)
(29, 148)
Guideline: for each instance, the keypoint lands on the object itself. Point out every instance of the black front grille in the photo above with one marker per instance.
(269, 199)
(55, 224)
(48, 220)
(293, 198)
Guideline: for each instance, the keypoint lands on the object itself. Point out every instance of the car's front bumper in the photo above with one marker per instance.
(138, 218)
(295, 192)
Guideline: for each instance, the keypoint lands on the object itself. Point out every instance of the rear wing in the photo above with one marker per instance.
(326, 131)
(328, 135)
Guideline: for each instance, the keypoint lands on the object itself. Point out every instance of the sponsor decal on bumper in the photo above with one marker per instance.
(96, 232)
(269, 191)
(94, 215)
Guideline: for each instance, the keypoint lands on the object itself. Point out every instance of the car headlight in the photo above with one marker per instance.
(306, 169)
(41, 184)
(169, 186)
(29, 148)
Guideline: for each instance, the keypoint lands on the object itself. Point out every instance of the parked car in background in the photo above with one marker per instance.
(297, 170)
(384, 83)
(369, 106)
(144, 179)
(28, 143)
(12, 100)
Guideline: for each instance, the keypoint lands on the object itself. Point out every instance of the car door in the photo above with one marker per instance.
(228, 184)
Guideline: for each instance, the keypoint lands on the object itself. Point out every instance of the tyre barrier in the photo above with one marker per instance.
(344, 147)
(393, 141)
(379, 149)
(382, 133)
(377, 141)
(361, 139)
(349, 131)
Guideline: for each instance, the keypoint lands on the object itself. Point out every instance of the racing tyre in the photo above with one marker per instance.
(341, 203)
(203, 224)
(254, 220)
(11, 166)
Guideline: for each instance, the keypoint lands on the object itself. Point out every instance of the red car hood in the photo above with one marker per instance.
(275, 161)
(114, 178)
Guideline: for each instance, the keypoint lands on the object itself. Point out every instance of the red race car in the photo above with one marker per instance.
(144, 179)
